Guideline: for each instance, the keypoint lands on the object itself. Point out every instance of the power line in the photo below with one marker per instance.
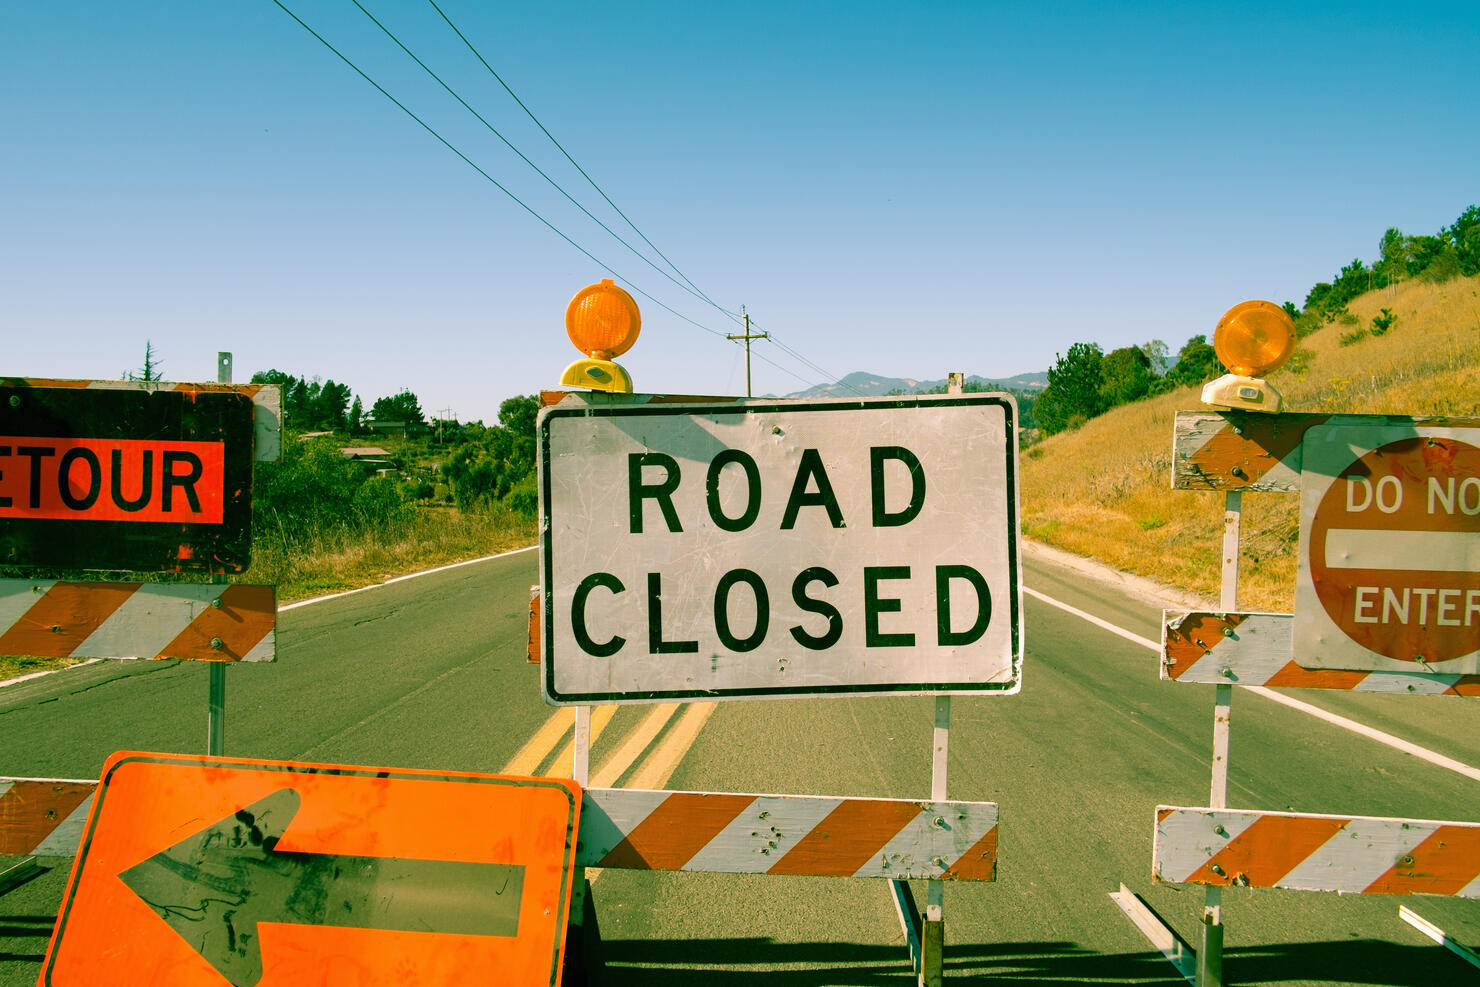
(572, 160)
(507, 143)
(529, 209)
(471, 164)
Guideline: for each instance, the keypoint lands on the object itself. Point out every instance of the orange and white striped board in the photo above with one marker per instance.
(727, 833)
(267, 404)
(43, 817)
(1241, 450)
(1306, 852)
(634, 829)
(194, 621)
(1257, 649)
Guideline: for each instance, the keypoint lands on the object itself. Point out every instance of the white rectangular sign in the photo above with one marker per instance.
(779, 548)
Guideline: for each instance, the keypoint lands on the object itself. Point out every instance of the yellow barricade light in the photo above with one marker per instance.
(1253, 338)
(603, 322)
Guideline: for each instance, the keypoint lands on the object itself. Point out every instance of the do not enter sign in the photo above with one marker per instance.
(1390, 550)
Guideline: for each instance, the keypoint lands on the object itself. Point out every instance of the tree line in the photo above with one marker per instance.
(315, 487)
(311, 405)
(1086, 381)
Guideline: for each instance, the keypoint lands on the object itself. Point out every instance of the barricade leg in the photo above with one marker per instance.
(933, 939)
(909, 920)
(583, 961)
(1210, 951)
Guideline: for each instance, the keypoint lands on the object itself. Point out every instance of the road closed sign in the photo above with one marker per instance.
(98, 478)
(778, 548)
(1389, 575)
(215, 871)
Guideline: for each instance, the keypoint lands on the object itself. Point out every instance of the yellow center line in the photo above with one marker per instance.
(656, 770)
(534, 752)
(606, 775)
(565, 760)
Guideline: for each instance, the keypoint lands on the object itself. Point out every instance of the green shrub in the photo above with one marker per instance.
(1383, 322)
(524, 497)
(381, 502)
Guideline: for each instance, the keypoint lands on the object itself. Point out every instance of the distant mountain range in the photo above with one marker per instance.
(873, 385)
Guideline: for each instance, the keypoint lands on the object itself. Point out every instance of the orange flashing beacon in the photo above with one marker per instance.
(1252, 339)
(602, 321)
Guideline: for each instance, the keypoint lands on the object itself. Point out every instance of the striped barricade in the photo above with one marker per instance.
(1307, 852)
(637, 829)
(1252, 649)
(896, 839)
(43, 816)
(196, 621)
(1242, 450)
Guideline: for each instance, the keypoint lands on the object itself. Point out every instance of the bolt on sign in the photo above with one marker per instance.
(201, 870)
(125, 479)
(1389, 575)
(773, 548)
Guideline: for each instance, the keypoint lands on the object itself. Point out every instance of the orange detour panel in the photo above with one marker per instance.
(211, 871)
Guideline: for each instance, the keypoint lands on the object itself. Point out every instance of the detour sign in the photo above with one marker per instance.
(197, 870)
(1390, 561)
(97, 478)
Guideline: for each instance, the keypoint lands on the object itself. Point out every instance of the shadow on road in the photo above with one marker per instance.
(736, 962)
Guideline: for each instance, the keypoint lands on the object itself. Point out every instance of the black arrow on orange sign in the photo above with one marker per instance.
(215, 887)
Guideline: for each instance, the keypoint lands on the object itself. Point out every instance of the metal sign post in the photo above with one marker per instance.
(1387, 572)
(712, 549)
(216, 699)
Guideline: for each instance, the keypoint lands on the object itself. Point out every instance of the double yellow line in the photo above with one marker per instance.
(653, 767)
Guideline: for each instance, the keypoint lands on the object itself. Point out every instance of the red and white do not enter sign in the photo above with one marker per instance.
(1390, 550)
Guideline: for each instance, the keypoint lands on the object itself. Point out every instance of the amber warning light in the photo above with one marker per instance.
(603, 322)
(1252, 339)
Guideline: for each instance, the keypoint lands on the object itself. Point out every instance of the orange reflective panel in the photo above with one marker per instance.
(199, 870)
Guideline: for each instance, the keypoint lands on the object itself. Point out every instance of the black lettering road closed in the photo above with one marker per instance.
(769, 548)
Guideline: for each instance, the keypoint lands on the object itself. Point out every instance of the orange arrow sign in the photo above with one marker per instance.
(198, 870)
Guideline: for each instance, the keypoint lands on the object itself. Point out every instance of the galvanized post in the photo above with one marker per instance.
(581, 747)
(582, 939)
(216, 702)
(1210, 952)
(933, 928)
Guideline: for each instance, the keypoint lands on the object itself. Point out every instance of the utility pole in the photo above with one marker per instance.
(748, 337)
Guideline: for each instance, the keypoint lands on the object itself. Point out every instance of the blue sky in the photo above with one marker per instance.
(900, 188)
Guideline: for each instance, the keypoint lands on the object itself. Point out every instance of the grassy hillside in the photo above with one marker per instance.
(1104, 490)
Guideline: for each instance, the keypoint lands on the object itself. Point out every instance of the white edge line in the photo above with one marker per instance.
(303, 603)
(401, 579)
(1102, 624)
(1371, 733)
(50, 671)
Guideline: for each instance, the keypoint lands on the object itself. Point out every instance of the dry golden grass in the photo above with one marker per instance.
(341, 559)
(1104, 490)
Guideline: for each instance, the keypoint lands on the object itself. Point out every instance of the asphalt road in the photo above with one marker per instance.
(430, 672)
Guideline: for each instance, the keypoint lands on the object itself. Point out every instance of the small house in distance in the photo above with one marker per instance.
(373, 458)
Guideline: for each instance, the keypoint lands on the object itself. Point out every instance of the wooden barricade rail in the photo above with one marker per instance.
(1234, 452)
